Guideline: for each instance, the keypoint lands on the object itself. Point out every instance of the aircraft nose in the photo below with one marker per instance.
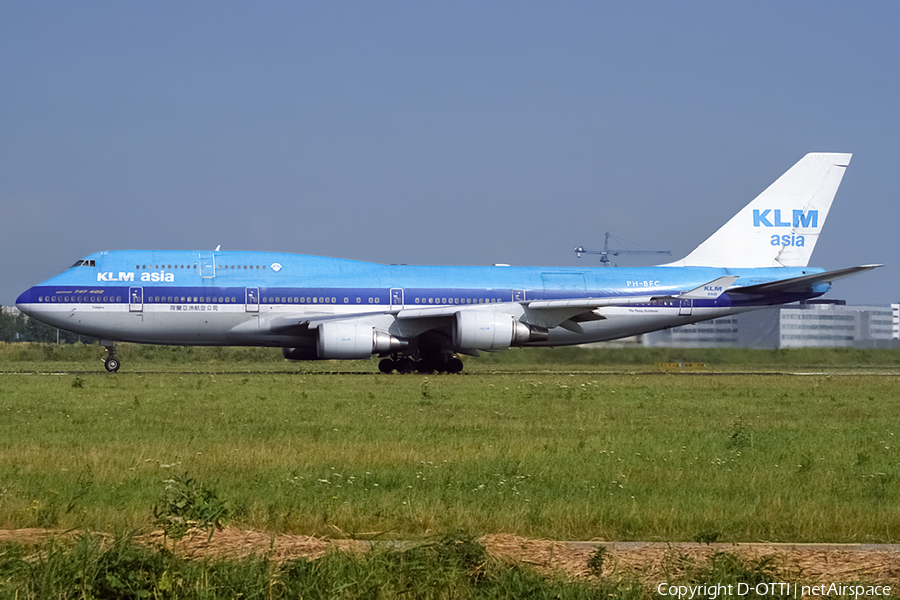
(26, 299)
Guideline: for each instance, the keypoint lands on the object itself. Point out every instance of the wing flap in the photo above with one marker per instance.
(433, 311)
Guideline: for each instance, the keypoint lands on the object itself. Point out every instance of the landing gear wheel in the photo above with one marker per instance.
(387, 366)
(112, 364)
(454, 365)
(406, 365)
(425, 367)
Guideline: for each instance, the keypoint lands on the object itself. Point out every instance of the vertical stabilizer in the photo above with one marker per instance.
(781, 226)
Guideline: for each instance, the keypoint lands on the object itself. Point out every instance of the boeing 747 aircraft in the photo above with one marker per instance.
(420, 318)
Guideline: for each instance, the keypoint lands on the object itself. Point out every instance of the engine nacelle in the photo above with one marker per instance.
(488, 330)
(350, 340)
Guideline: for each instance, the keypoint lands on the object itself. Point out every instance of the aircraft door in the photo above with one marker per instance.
(396, 298)
(207, 265)
(252, 299)
(685, 307)
(135, 299)
(518, 295)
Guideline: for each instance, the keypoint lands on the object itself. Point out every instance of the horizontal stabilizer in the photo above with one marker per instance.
(802, 283)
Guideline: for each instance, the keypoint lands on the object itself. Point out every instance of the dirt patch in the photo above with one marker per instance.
(651, 563)
(657, 562)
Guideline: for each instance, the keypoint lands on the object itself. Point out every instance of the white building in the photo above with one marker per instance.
(10, 310)
(821, 323)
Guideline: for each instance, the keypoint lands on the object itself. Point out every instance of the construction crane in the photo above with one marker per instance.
(606, 252)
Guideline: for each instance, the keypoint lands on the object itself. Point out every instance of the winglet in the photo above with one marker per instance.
(711, 290)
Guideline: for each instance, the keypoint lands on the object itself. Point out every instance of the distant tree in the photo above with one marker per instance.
(21, 328)
(39, 332)
(7, 327)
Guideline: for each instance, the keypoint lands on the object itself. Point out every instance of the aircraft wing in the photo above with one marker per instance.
(302, 323)
(542, 313)
(562, 313)
(566, 312)
(800, 284)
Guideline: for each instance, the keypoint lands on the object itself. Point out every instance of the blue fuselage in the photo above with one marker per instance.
(185, 297)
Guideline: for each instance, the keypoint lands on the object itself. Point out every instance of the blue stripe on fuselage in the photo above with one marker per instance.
(279, 275)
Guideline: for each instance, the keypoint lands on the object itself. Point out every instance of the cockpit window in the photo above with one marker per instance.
(84, 263)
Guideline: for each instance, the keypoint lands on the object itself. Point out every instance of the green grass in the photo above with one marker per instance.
(452, 566)
(27, 357)
(445, 568)
(597, 456)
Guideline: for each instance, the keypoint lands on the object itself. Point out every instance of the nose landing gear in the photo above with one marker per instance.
(111, 362)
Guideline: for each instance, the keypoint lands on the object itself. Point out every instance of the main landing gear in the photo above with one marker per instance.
(444, 363)
(111, 362)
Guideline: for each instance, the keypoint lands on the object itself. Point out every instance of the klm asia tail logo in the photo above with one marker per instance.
(810, 220)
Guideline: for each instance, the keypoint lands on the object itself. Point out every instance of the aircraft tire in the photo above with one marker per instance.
(387, 366)
(112, 364)
(454, 365)
(425, 367)
(406, 365)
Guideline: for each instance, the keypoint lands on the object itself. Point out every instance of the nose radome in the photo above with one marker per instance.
(24, 299)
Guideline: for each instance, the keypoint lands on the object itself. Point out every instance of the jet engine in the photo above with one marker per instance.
(338, 339)
(488, 330)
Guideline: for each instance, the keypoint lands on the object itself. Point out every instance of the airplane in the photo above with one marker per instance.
(421, 318)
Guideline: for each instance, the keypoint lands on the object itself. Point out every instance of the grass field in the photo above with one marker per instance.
(39, 358)
(728, 457)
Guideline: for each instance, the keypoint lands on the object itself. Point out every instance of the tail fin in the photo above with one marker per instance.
(781, 226)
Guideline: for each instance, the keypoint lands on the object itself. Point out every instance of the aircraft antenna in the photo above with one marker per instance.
(606, 252)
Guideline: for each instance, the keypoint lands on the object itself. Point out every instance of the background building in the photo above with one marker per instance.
(824, 323)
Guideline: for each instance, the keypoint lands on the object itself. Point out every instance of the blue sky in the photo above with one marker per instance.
(438, 133)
